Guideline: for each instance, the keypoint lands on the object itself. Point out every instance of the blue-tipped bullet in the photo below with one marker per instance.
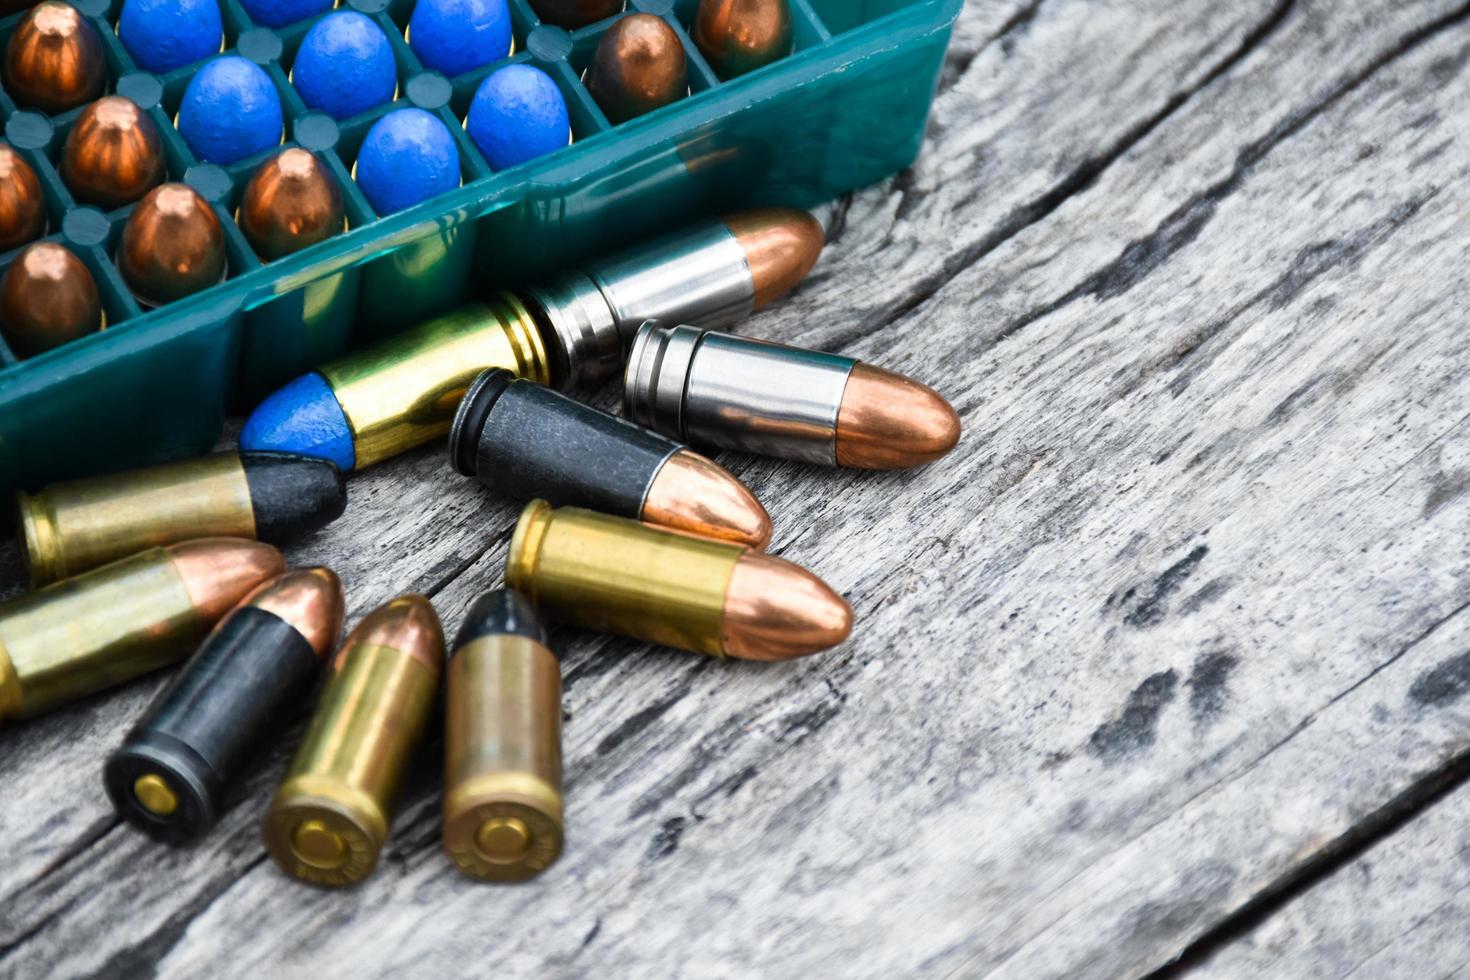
(518, 114)
(306, 416)
(402, 393)
(279, 13)
(345, 65)
(230, 111)
(162, 35)
(456, 36)
(408, 156)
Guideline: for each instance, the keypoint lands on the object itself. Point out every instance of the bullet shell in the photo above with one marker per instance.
(173, 245)
(47, 298)
(122, 620)
(639, 67)
(113, 154)
(524, 440)
(502, 743)
(619, 576)
(22, 208)
(68, 528)
(713, 274)
(331, 815)
(172, 773)
(291, 201)
(739, 36)
(402, 393)
(54, 59)
(572, 14)
(379, 402)
(715, 389)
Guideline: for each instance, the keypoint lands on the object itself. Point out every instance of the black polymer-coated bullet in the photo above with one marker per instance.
(171, 775)
(69, 528)
(526, 441)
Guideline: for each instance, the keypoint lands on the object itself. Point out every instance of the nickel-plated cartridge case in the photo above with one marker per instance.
(68, 528)
(713, 274)
(122, 620)
(171, 775)
(524, 440)
(502, 743)
(620, 576)
(331, 815)
(716, 389)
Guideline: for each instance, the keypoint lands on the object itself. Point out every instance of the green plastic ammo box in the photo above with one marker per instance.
(846, 109)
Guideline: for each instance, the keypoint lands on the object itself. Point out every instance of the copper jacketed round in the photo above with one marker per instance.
(47, 298)
(172, 246)
(113, 154)
(22, 208)
(54, 60)
(290, 202)
(639, 66)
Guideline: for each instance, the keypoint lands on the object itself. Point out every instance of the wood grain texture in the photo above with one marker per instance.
(1144, 649)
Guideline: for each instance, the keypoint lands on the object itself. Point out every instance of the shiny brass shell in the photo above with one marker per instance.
(22, 208)
(173, 245)
(404, 391)
(639, 66)
(47, 298)
(739, 36)
(113, 154)
(291, 201)
(54, 59)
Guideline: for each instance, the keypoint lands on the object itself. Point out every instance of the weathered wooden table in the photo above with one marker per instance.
(1169, 659)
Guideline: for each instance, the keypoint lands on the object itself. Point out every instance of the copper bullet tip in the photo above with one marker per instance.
(310, 600)
(113, 154)
(738, 36)
(22, 208)
(890, 422)
(290, 202)
(46, 299)
(173, 245)
(639, 66)
(781, 246)
(408, 624)
(696, 495)
(54, 59)
(572, 14)
(219, 572)
(775, 610)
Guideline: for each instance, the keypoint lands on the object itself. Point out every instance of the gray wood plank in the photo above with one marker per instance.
(1397, 911)
(1145, 646)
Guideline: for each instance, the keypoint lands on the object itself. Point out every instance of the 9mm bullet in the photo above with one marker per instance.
(523, 441)
(171, 775)
(716, 389)
(54, 60)
(22, 208)
(113, 154)
(502, 743)
(639, 66)
(47, 298)
(68, 528)
(402, 393)
(331, 815)
(739, 36)
(620, 576)
(122, 620)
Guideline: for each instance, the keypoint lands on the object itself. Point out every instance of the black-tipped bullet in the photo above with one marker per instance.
(171, 774)
(524, 441)
(502, 743)
(68, 528)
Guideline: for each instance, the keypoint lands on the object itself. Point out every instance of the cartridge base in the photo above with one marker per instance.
(163, 788)
(324, 834)
(503, 827)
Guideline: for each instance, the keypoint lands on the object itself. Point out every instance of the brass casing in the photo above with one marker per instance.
(331, 815)
(620, 576)
(68, 528)
(502, 759)
(94, 631)
(404, 391)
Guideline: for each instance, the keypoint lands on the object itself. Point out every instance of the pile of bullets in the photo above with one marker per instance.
(625, 529)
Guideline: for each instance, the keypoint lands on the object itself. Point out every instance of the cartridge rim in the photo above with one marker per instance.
(302, 834)
(155, 770)
(503, 827)
(525, 548)
(40, 545)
